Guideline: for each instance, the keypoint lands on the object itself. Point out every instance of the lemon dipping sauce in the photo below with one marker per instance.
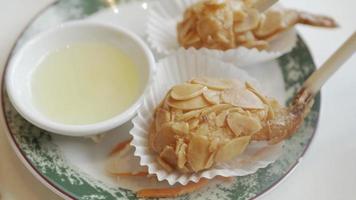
(85, 83)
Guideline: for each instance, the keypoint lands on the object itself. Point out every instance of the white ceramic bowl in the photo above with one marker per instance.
(23, 64)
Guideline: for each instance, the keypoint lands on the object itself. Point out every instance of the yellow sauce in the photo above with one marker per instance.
(85, 83)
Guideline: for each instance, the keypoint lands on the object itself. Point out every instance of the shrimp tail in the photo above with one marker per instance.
(316, 20)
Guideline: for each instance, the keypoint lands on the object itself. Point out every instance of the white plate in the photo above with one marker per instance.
(73, 167)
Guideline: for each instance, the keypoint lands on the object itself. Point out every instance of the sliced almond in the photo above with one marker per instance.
(176, 113)
(213, 83)
(184, 170)
(203, 129)
(232, 149)
(214, 144)
(245, 37)
(169, 156)
(210, 160)
(223, 133)
(236, 109)
(179, 143)
(215, 108)
(181, 128)
(220, 118)
(189, 115)
(186, 31)
(186, 91)
(217, 133)
(152, 138)
(242, 124)
(250, 3)
(164, 164)
(240, 38)
(181, 153)
(192, 39)
(211, 119)
(228, 134)
(163, 137)
(258, 44)
(239, 15)
(193, 123)
(242, 98)
(191, 104)
(212, 96)
(249, 23)
(162, 117)
(197, 155)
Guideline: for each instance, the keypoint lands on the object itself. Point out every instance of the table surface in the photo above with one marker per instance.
(327, 171)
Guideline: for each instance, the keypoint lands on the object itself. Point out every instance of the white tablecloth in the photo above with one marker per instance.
(327, 171)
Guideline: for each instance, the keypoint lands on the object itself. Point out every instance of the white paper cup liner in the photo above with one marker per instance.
(164, 16)
(178, 68)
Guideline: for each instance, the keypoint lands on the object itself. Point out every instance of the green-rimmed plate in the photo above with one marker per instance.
(73, 167)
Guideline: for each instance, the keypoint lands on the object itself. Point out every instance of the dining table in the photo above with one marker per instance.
(327, 171)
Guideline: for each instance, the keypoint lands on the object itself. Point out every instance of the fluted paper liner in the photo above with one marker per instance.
(164, 16)
(178, 68)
